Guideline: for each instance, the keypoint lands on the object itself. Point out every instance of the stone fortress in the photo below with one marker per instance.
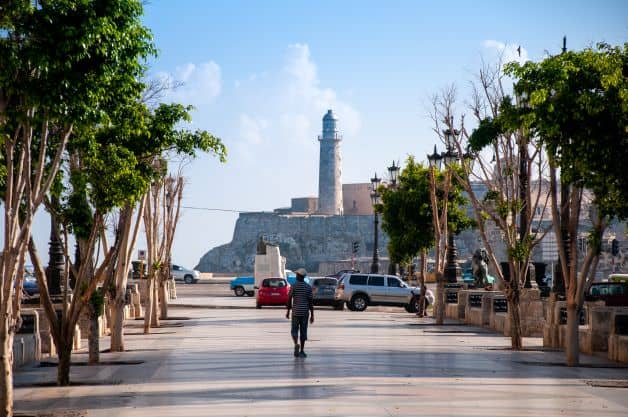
(318, 232)
(314, 232)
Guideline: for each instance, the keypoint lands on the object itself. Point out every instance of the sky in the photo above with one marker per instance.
(261, 75)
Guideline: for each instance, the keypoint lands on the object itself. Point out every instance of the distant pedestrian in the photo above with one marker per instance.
(301, 302)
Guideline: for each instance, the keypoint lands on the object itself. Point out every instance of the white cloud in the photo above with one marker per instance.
(202, 83)
(507, 52)
(305, 102)
(251, 128)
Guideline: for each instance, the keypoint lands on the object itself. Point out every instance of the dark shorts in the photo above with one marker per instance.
(300, 323)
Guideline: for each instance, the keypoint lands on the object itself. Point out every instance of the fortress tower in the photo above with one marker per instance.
(329, 182)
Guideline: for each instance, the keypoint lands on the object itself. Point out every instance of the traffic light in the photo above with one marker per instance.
(614, 247)
(356, 246)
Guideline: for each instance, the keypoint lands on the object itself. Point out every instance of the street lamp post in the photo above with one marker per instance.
(452, 270)
(393, 172)
(375, 200)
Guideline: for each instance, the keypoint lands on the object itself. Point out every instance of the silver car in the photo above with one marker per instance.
(189, 276)
(324, 292)
(359, 291)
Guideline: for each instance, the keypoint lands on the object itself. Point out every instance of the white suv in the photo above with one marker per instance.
(362, 290)
(188, 276)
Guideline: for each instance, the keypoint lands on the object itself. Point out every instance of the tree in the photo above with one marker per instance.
(578, 111)
(509, 168)
(59, 60)
(412, 209)
(407, 218)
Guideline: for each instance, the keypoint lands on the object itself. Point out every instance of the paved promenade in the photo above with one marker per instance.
(238, 362)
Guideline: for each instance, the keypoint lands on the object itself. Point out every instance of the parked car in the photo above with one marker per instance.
(359, 291)
(189, 276)
(243, 285)
(272, 292)
(324, 292)
(30, 285)
(612, 293)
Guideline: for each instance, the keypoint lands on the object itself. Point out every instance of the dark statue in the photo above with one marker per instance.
(479, 266)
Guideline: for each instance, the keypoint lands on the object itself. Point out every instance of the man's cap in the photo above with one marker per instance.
(301, 271)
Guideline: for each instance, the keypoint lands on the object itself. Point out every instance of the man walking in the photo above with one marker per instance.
(301, 301)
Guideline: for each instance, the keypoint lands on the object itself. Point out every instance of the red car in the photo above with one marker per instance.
(273, 292)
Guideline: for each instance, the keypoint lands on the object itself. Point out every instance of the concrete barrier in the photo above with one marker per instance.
(27, 343)
(595, 334)
(618, 339)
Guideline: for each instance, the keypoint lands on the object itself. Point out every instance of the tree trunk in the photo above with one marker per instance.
(6, 367)
(163, 299)
(117, 325)
(155, 311)
(439, 305)
(148, 314)
(64, 352)
(572, 348)
(515, 325)
(422, 303)
(94, 337)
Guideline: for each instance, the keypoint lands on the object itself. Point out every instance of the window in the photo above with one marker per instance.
(274, 283)
(394, 282)
(358, 279)
(376, 280)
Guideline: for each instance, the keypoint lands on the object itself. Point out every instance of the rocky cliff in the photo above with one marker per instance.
(305, 240)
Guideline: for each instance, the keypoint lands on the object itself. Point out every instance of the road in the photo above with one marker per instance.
(213, 360)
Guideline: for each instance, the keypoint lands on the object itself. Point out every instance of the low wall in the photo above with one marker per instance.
(26, 343)
(618, 339)
(594, 336)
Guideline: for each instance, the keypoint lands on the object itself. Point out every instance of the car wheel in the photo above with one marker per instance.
(413, 306)
(188, 279)
(250, 293)
(339, 306)
(349, 306)
(239, 291)
(258, 305)
(359, 302)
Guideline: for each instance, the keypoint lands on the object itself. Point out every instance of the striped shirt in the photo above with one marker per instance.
(300, 299)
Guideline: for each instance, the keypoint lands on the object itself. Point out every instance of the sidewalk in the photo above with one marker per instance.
(238, 362)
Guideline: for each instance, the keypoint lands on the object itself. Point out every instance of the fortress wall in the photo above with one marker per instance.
(303, 240)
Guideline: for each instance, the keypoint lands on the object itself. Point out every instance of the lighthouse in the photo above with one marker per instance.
(329, 174)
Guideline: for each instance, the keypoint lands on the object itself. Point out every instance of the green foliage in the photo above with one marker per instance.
(578, 108)
(520, 251)
(63, 57)
(484, 135)
(69, 63)
(407, 212)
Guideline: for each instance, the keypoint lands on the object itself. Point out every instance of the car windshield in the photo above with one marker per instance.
(274, 283)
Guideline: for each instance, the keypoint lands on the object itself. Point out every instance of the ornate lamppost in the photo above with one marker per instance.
(393, 172)
(375, 199)
(452, 271)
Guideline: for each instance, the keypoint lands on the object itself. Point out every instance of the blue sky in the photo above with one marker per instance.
(261, 74)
